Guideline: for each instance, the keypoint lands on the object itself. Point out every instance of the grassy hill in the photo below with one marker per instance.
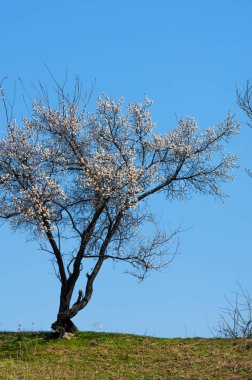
(105, 356)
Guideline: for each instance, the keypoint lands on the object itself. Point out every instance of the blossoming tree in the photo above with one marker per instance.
(67, 175)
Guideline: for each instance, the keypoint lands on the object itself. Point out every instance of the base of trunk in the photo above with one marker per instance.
(60, 327)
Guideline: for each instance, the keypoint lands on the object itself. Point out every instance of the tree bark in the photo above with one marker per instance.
(63, 325)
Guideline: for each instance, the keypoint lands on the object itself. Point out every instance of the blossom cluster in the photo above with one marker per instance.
(67, 159)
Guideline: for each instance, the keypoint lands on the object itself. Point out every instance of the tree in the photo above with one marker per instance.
(236, 318)
(244, 100)
(82, 180)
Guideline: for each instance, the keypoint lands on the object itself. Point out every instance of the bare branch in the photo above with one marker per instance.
(236, 318)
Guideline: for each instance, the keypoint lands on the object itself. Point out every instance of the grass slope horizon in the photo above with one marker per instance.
(114, 356)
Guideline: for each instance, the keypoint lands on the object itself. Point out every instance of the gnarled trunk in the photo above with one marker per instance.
(63, 325)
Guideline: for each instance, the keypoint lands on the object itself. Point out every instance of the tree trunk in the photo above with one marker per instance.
(63, 325)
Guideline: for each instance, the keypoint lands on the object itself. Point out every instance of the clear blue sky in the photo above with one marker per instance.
(188, 56)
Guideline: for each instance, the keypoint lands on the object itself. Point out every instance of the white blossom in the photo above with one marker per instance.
(66, 157)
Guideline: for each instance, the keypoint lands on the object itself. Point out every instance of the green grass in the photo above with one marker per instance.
(105, 356)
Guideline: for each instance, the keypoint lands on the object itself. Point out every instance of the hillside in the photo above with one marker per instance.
(106, 356)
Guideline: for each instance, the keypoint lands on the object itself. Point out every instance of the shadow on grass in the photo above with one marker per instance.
(21, 345)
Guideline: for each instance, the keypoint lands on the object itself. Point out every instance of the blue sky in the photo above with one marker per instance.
(188, 56)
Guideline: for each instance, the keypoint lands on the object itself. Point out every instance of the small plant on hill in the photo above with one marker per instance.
(236, 318)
